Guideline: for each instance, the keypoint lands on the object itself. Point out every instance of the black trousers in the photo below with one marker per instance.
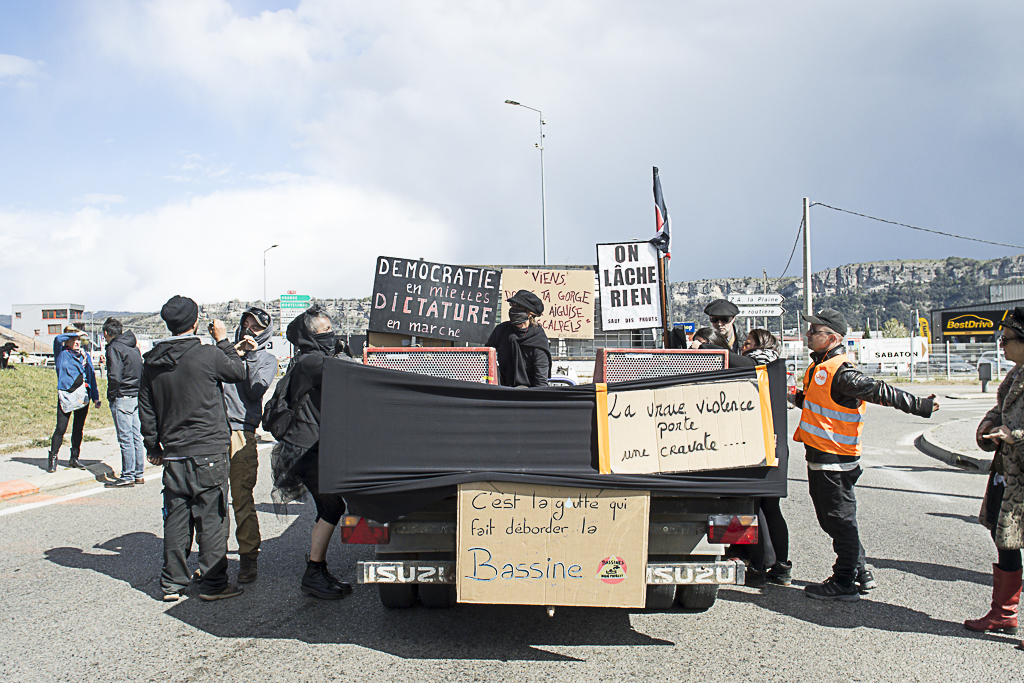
(196, 497)
(76, 430)
(836, 508)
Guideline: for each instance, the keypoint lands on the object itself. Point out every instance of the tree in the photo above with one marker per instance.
(867, 332)
(894, 329)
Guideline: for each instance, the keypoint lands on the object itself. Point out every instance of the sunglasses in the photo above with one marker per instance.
(721, 318)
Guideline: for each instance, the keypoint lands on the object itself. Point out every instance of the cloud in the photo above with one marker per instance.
(94, 199)
(14, 69)
(210, 247)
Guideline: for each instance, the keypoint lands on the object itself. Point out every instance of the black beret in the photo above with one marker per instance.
(830, 318)
(179, 313)
(722, 308)
(1014, 320)
(524, 298)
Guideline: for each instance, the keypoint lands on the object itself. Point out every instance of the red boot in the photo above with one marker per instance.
(1002, 618)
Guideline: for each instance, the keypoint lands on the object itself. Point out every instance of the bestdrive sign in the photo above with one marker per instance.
(972, 323)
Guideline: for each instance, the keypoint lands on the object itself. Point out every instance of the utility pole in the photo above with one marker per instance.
(808, 303)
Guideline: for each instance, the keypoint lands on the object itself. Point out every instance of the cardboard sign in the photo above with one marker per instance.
(630, 286)
(568, 297)
(434, 300)
(551, 545)
(709, 426)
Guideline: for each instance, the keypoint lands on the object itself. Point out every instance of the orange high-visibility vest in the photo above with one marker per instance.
(824, 424)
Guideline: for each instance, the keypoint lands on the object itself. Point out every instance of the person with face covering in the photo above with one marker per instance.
(76, 384)
(295, 460)
(524, 354)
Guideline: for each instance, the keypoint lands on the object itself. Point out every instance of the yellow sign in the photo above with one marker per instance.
(520, 544)
(923, 324)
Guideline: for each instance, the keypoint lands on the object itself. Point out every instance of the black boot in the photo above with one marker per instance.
(345, 587)
(75, 462)
(317, 582)
(51, 461)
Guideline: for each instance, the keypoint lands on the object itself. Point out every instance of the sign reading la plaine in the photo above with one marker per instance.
(630, 286)
(434, 300)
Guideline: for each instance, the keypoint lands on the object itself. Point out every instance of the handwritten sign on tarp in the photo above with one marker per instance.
(434, 300)
(551, 545)
(687, 428)
(630, 286)
(568, 297)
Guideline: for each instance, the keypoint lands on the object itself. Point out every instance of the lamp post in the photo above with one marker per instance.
(265, 272)
(543, 205)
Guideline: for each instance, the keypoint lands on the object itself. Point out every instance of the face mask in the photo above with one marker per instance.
(518, 317)
(325, 340)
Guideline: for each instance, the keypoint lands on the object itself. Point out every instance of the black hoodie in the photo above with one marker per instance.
(181, 404)
(524, 356)
(124, 367)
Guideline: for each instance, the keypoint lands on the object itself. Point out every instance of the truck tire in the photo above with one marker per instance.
(437, 596)
(660, 597)
(697, 597)
(397, 595)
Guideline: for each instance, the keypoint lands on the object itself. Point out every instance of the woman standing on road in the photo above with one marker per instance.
(1002, 511)
(76, 384)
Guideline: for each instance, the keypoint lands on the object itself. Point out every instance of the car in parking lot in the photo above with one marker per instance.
(997, 360)
(937, 363)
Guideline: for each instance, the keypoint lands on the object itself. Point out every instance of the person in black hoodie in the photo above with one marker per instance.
(124, 373)
(185, 427)
(295, 459)
(524, 354)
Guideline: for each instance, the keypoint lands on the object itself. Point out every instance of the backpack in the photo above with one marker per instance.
(279, 417)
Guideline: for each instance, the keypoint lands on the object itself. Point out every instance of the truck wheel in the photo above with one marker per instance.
(660, 597)
(697, 597)
(437, 596)
(397, 595)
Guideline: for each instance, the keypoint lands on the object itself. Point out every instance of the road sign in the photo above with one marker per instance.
(292, 306)
(761, 311)
(756, 299)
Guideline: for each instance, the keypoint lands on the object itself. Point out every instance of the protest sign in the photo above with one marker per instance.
(688, 428)
(520, 544)
(434, 300)
(630, 286)
(568, 297)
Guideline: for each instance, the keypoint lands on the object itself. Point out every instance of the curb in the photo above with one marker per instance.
(930, 445)
(63, 478)
(973, 396)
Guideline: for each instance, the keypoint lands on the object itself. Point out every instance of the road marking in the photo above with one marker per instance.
(907, 478)
(70, 496)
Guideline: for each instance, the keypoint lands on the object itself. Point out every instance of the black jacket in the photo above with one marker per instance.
(124, 367)
(307, 370)
(850, 386)
(524, 356)
(181, 404)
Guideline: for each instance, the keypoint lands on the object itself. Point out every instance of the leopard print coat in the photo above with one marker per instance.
(1009, 528)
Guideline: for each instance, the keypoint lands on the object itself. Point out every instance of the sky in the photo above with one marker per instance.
(157, 148)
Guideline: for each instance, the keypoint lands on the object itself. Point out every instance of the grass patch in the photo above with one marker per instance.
(28, 398)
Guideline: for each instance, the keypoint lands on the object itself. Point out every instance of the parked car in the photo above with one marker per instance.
(937, 365)
(997, 361)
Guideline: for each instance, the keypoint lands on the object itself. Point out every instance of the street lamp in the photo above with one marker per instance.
(265, 272)
(543, 206)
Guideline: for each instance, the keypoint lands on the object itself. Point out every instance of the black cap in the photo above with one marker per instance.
(179, 313)
(830, 318)
(524, 298)
(721, 308)
(1014, 320)
(261, 316)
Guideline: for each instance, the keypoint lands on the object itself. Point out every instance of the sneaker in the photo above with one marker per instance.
(119, 483)
(866, 579)
(755, 578)
(229, 591)
(139, 481)
(781, 574)
(171, 597)
(832, 590)
(247, 570)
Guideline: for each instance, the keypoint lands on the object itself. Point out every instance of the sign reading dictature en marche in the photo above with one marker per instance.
(551, 545)
(568, 297)
(710, 426)
(630, 286)
(434, 300)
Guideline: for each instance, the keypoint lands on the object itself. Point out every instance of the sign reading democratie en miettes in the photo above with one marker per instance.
(434, 300)
(630, 286)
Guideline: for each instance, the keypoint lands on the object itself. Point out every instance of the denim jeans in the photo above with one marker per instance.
(129, 436)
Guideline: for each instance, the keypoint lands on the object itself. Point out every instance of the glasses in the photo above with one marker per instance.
(811, 333)
(721, 318)
(1003, 339)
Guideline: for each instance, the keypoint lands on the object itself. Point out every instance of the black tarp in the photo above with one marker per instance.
(392, 442)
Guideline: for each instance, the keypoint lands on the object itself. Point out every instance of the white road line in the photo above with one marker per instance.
(61, 499)
(911, 480)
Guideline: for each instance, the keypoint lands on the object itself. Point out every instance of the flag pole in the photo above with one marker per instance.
(666, 324)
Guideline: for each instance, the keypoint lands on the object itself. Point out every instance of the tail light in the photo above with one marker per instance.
(732, 529)
(361, 530)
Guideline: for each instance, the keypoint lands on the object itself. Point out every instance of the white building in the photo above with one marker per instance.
(43, 322)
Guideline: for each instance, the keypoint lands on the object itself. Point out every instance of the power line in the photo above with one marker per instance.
(914, 227)
(786, 269)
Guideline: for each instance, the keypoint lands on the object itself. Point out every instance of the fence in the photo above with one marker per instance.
(946, 361)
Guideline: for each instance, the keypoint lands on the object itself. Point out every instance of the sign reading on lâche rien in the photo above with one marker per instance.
(686, 428)
(568, 297)
(434, 300)
(551, 545)
(630, 286)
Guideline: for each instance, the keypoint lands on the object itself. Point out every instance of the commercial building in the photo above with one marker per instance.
(976, 322)
(43, 322)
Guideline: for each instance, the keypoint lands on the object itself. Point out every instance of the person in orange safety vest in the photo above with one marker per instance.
(833, 402)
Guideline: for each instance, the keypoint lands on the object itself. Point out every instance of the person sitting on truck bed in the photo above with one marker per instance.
(831, 425)
(524, 354)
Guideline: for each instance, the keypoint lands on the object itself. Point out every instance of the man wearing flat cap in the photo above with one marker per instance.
(723, 315)
(185, 427)
(834, 400)
(524, 354)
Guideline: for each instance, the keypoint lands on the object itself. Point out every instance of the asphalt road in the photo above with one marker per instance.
(80, 600)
